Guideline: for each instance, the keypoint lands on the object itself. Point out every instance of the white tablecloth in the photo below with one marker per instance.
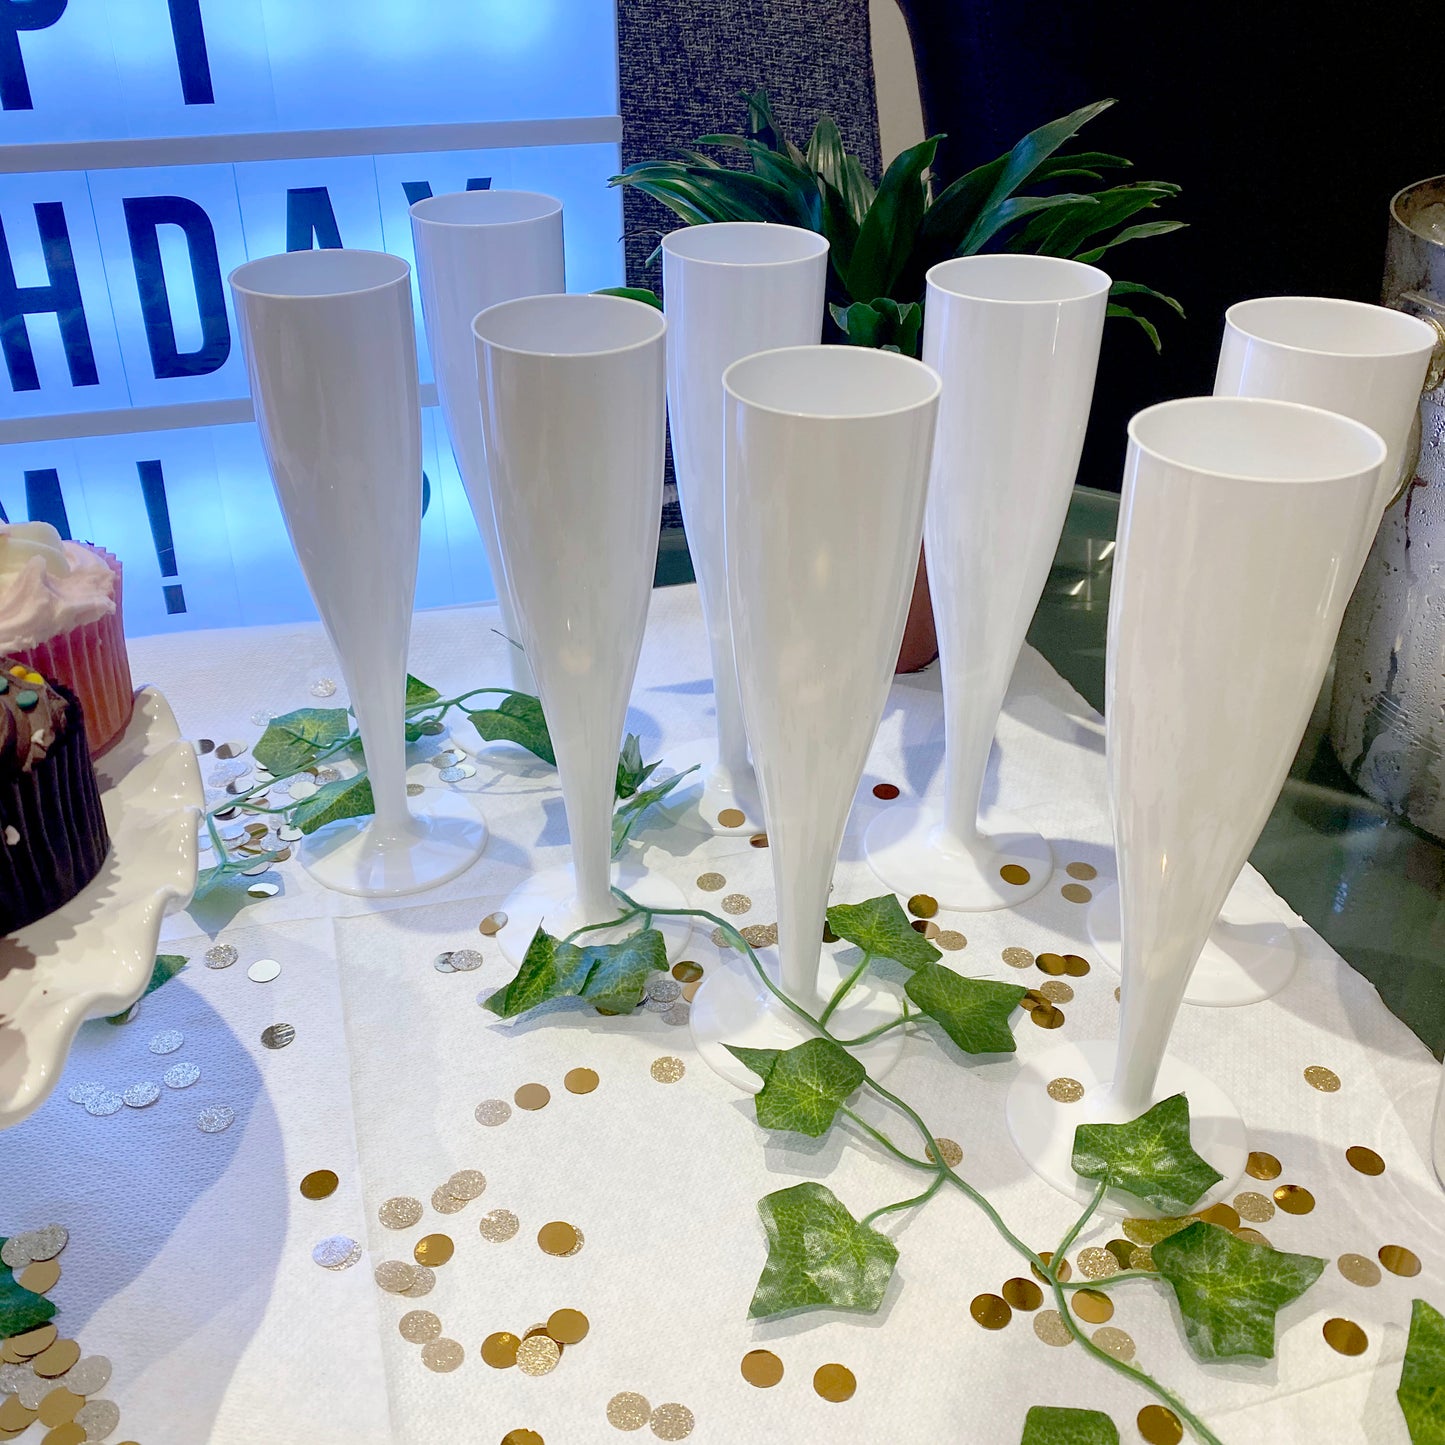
(189, 1261)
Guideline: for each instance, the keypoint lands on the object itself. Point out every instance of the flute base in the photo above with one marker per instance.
(447, 837)
(702, 800)
(906, 846)
(1043, 1129)
(549, 900)
(732, 1006)
(1249, 955)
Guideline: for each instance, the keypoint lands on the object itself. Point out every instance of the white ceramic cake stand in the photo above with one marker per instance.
(94, 956)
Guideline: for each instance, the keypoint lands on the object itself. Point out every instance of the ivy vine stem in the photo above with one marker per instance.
(843, 989)
(938, 1177)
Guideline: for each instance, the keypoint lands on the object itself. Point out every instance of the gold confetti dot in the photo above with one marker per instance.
(1399, 1260)
(1015, 874)
(886, 791)
(628, 1410)
(538, 1355)
(759, 840)
(950, 1151)
(492, 1112)
(1294, 1199)
(761, 1368)
(760, 935)
(1252, 1236)
(522, 1437)
(1052, 963)
(828, 935)
(1257, 1208)
(71, 1433)
(1116, 1342)
(15, 1417)
(1345, 1337)
(445, 1203)
(1364, 1160)
(1082, 871)
(56, 1360)
(59, 1407)
(1049, 1326)
(498, 1226)
(1075, 965)
(736, 903)
(492, 924)
(500, 1350)
(922, 906)
(400, 1213)
(1221, 1214)
(1093, 1306)
(711, 882)
(466, 1184)
(671, 1421)
(732, 817)
(40, 1277)
(442, 1355)
(951, 939)
(1142, 1258)
(1065, 1091)
(1048, 1016)
(33, 1342)
(419, 1326)
(1121, 1249)
(686, 971)
(668, 1070)
(1323, 1079)
(558, 1238)
(395, 1276)
(835, 1382)
(1159, 1425)
(927, 927)
(580, 1081)
(532, 1096)
(1018, 958)
(1047, 1255)
(433, 1250)
(1262, 1166)
(1359, 1269)
(567, 1327)
(1076, 893)
(991, 1311)
(1096, 1263)
(1022, 1294)
(319, 1184)
(1056, 991)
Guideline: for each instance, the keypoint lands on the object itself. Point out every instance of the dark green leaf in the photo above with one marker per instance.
(517, 720)
(836, 222)
(802, 1086)
(1230, 1289)
(419, 693)
(880, 926)
(296, 739)
(632, 293)
(973, 1012)
(1005, 213)
(1130, 233)
(614, 975)
(819, 1255)
(1138, 288)
(1114, 308)
(537, 979)
(762, 127)
(632, 772)
(1150, 1157)
(859, 191)
(628, 813)
(1422, 1377)
(826, 154)
(345, 798)
(20, 1309)
(1053, 1425)
(1067, 233)
(888, 232)
(1069, 163)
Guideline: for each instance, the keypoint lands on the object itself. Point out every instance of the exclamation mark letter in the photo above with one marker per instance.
(153, 489)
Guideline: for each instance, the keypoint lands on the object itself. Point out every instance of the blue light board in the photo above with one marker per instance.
(112, 279)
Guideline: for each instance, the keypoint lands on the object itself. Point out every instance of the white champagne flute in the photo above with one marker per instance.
(1366, 362)
(826, 468)
(573, 400)
(474, 249)
(1238, 544)
(330, 350)
(729, 289)
(1016, 341)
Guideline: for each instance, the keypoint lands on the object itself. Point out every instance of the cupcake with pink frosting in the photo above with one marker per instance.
(60, 612)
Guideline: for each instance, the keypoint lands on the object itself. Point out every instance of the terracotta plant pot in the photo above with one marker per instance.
(920, 640)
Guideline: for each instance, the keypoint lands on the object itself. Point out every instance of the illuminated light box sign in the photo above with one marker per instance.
(114, 313)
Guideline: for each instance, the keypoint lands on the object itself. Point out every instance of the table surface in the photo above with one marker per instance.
(190, 1257)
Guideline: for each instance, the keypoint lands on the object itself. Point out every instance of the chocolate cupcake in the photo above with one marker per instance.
(52, 829)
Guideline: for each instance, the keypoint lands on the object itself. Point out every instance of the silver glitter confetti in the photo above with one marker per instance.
(327, 775)
(259, 869)
(657, 1005)
(98, 1418)
(10, 1376)
(499, 1225)
(263, 970)
(422, 1285)
(167, 1042)
(400, 1212)
(445, 1203)
(464, 960)
(442, 1355)
(83, 1093)
(303, 788)
(492, 1112)
(32, 1390)
(264, 890)
(16, 1251)
(322, 687)
(215, 1119)
(277, 1036)
(455, 775)
(443, 963)
(181, 1075)
(432, 727)
(48, 1242)
(224, 773)
(88, 1376)
(261, 717)
(204, 842)
(678, 1014)
(466, 1184)
(416, 1327)
(445, 759)
(221, 955)
(337, 1251)
(287, 834)
(395, 1276)
(662, 988)
(142, 1094)
(414, 790)
(104, 1103)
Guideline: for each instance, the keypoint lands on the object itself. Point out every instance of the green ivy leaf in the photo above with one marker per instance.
(1422, 1377)
(1229, 1289)
(536, 981)
(517, 720)
(1150, 1157)
(802, 1086)
(1051, 1425)
(20, 1309)
(632, 772)
(419, 693)
(296, 739)
(167, 966)
(973, 1012)
(209, 878)
(345, 798)
(613, 976)
(629, 812)
(880, 926)
(819, 1255)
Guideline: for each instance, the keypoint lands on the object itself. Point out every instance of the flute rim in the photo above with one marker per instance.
(895, 359)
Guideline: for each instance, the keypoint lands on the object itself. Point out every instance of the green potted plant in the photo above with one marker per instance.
(1040, 197)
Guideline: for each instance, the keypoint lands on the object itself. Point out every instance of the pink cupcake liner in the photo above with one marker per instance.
(91, 661)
